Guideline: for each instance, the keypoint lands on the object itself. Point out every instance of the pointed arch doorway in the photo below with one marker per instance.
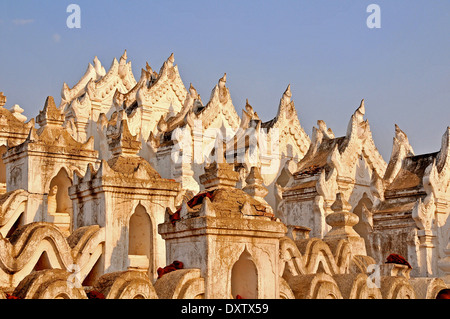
(244, 277)
(140, 240)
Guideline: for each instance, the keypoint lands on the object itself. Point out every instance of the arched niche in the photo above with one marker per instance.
(140, 240)
(244, 277)
(59, 204)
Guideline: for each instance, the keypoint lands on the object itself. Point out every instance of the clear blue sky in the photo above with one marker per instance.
(324, 49)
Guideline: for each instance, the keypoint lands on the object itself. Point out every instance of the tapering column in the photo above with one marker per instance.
(342, 221)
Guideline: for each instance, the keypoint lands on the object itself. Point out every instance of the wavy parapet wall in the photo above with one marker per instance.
(41, 245)
(310, 270)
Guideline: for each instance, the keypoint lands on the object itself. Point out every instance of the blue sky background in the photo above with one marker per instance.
(324, 49)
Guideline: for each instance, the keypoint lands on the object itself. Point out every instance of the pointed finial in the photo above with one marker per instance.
(356, 120)
(401, 139)
(171, 58)
(223, 78)
(193, 91)
(361, 109)
(99, 69)
(65, 88)
(399, 134)
(286, 98)
(148, 68)
(248, 108)
(124, 55)
(322, 125)
(328, 132)
(222, 81)
(398, 131)
(96, 62)
(288, 91)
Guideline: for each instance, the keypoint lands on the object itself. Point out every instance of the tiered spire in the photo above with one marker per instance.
(121, 141)
(342, 221)
(400, 149)
(255, 186)
(219, 175)
(50, 115)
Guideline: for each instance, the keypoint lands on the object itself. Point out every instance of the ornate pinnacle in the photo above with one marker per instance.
(288, 91)
(255, 186)
(342, 221)
(50, 115)
(361, 109)
(286, 98)
(357, 127)
(223, 78)
(148, 68)
(97, 64)
(171, 60)
(124, 56)
(99, 69)
(193, 91)
(248, 107)
(223, 94)
(401, 138)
